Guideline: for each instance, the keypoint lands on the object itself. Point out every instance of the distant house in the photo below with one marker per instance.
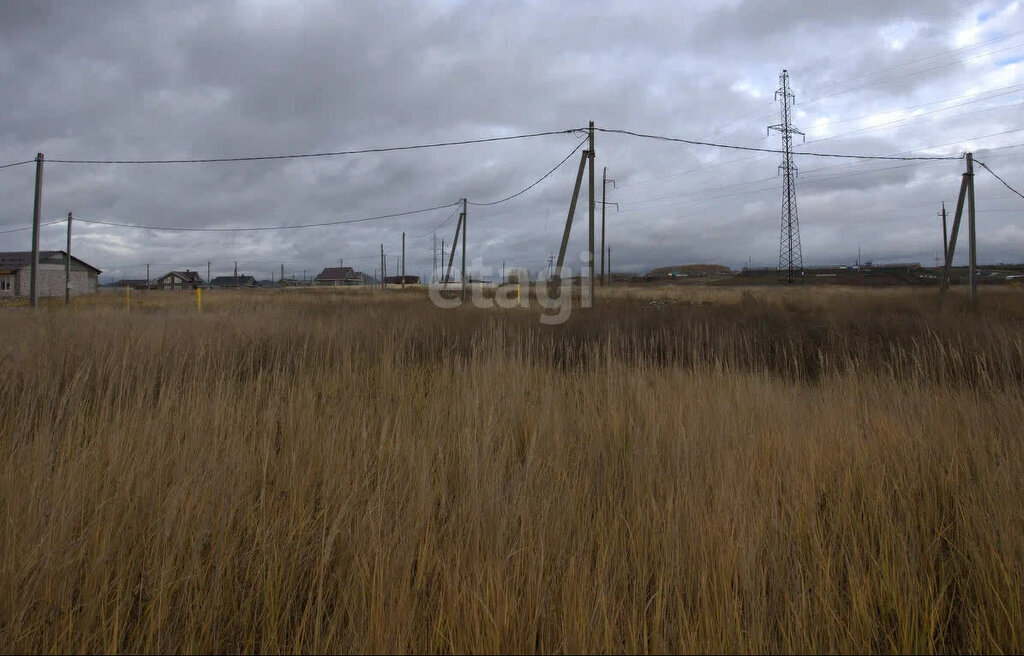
(178, 280)
(233, 281)
(408, 280)
(688, 271)
(336, 276)
(128, 282)
(16, 274)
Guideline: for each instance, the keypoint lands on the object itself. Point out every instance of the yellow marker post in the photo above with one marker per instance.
(199, 299)
(127, 303)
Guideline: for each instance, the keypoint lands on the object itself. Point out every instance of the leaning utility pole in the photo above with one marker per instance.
(34, 275)
(590, 242)
(451, 253)
(568, 219)
(966, 193)
(67, 267)
(790, 254)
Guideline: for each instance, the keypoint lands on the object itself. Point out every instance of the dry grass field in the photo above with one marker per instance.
(685, 469)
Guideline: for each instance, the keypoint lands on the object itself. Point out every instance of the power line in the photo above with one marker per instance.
(540, 180)
(1005, 183)
(260, 228)
(442, 224)
(43, 225)
(866, 78)
(693, 142)
(7, 166)
(973, 98)
(255, 158)
(912, 73)
(938, 55)
(923, 116)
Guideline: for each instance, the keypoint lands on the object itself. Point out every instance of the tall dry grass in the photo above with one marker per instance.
(835, 471)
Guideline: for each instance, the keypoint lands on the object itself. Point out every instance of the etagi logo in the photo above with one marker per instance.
(554, 296)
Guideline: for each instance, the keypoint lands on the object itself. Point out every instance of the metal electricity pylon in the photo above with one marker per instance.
(790, 256)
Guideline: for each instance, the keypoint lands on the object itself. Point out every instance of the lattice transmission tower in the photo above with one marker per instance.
(790, 256)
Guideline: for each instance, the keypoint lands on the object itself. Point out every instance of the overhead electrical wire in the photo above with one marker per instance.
(938, 55)
(866, 78)
(339, 222)
(440, 225)
(994, 174)
(924, 117)
(263, 228)
(694, 142)
(41, 225)
(255, 158)
(912, 73)
(537, 182)
(7, 166)
(968, 99)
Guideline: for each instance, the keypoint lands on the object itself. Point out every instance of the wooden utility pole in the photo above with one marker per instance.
(403, 260)
(972, 242)
(442, 261)
(568, 220)
(590, 242)
(382, 269)
(236, 273)
(609, 266)
(945, 240)
(464, 213)
(67, 267)
(147, 276)
(34, 275)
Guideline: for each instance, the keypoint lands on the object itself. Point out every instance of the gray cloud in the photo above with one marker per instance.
(138, 80)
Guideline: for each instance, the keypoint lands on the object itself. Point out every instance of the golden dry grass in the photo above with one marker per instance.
(789, 470)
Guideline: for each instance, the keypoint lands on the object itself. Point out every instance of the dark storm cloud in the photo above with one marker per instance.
(140, 80)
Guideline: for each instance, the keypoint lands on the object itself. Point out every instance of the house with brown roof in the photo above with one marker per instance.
(178, 280)
(227, 282)
(336, 276)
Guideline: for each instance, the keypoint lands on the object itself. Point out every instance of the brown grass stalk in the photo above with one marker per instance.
(788, 471)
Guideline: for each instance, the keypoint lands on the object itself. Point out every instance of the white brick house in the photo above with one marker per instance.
(16, 274)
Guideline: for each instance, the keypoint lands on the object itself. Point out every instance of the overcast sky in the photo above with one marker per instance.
(138, 80)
